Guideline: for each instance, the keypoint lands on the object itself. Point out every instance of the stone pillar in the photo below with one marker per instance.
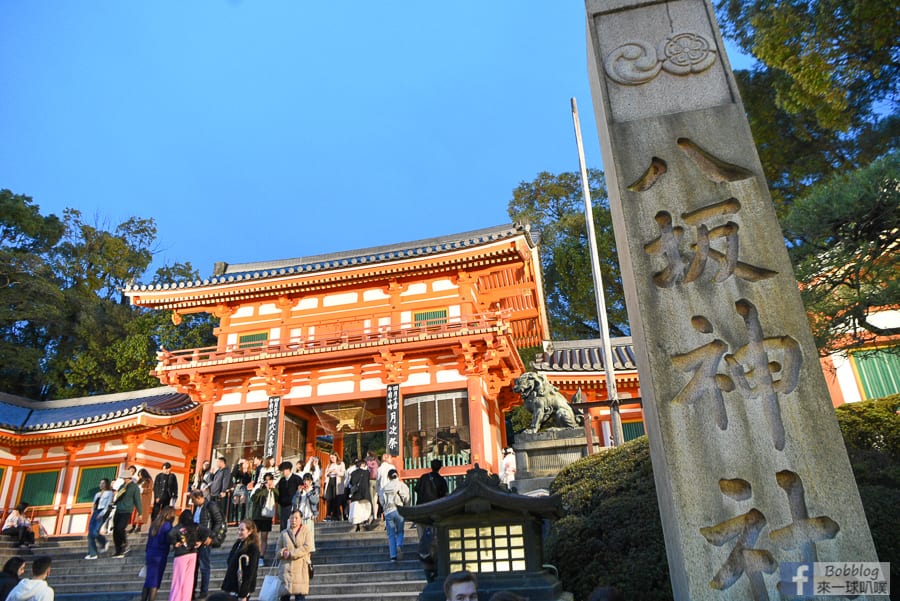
(749, 463)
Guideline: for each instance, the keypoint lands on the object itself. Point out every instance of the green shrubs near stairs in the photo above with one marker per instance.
(611, 533)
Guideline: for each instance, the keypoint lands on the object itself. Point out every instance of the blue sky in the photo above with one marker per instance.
(274, 129)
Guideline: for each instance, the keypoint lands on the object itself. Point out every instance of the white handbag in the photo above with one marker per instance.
(273, 587)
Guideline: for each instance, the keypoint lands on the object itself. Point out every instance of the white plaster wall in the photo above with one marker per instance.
(91, 448)
(406, 318)
(6, 455)
(384, 322)
(421, 378)
(301, 392)
(49, 522)
(56, 452)
(885, 319)
(275, 335)
(268, 309)
(417, 288)
(231, 339)
(179, 435)
(486, 437)
(449, 375)
(343, 387)
(375, 294)
(115, 445)
(257, 396)
(230, 398)
(370, 384)
(161, 448)
(245, 311)
(345, 298)
(441, 285)
(33, 453)
(846, 379)
(310, 302)
(76, 524)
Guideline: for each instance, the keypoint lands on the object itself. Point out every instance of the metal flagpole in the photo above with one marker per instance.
(612, 393)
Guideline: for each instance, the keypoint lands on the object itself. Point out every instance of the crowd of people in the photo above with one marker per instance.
(254, 493)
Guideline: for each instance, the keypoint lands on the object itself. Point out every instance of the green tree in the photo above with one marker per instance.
(554, 207)
(30, 298)
(841, 57)
(823, 96)
(65, 328)
(843, 241)
(93, 263)
(151, 330)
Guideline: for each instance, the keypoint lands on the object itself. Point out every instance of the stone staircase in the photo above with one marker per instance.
(349, 565)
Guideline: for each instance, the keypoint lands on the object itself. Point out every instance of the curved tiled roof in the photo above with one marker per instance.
(24, 416)
(242, 272)
(585, 355)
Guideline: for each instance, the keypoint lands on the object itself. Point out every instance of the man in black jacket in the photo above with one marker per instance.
(287, 488)
(207, 515)
(165, 489)
(431, 486)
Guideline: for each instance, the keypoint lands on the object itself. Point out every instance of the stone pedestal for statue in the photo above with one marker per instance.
(541, 456)
(749, 463)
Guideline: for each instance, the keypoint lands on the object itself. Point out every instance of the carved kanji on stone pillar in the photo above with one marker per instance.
(729, 381)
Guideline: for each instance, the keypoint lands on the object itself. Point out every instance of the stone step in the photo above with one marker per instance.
(349, 565)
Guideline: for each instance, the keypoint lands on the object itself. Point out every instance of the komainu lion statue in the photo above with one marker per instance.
(546, 403)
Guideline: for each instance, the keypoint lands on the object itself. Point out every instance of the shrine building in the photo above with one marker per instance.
(418, 340)
(310, 346)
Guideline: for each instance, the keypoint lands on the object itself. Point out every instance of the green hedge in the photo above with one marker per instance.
(612, 535)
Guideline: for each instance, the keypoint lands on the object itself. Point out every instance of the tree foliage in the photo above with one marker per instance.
(554, 207)
(843, 238)
(823, 97)
(65, 328)
(612, 535)
(30, 301)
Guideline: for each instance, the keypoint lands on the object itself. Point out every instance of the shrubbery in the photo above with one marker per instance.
(612, 534)
(871, 431)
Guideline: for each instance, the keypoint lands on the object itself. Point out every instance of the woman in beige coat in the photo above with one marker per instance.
(295, 544)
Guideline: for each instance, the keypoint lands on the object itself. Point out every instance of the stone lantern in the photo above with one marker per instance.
(499, 535)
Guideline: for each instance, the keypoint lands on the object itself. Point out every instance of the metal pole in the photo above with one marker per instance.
(612, 393)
